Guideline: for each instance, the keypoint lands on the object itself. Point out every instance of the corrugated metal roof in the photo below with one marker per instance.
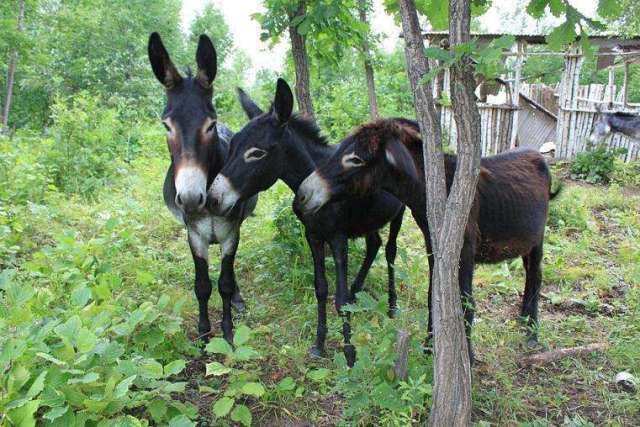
(599, 39)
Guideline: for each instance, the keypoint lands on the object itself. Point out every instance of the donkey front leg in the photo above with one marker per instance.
(322, 291)
(200, 252)
(339, 250)
(227, 286)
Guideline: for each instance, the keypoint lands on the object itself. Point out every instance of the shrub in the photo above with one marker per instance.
(596, 165)
(626, 173)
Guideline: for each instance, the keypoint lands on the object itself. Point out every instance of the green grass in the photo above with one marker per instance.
(126, 249)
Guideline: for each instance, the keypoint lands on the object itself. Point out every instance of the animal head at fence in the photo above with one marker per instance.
(190, 120)
(615, 122)
(362, 164)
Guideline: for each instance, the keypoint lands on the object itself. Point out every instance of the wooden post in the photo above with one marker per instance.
(515, 94)
(612, 88)
(625, 85)
(568, 102)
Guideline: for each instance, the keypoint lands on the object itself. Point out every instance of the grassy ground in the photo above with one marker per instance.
(591, 294)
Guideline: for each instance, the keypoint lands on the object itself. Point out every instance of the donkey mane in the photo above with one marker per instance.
(307, 128)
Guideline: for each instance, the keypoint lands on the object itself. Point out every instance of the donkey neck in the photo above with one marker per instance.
(303, 155)
(625, 123)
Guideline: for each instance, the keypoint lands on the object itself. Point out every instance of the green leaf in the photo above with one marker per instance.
(437, 53)
(557, 7)
(80, 296)
(253, 389)
(23, 415)
(37, 385)
(174, 367)
(158, 409)
(54, 413)
(609, 9)
(217, 369)
(287, 384)
(222, 406)
(245, 353)
(562, 35)
(123, 387)
(242, 415)
(536, 8)
(91, 377)
(318, 374)
(181, 421)
(85, 340)
(241, 336)
(69, 329)
(149, 368)
(220, 346)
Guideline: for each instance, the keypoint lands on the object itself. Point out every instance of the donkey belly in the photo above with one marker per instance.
(495, 251)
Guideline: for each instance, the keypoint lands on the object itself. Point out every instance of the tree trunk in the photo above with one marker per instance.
(11, 71)
(301, 62)
(447, 216)
(368, 68)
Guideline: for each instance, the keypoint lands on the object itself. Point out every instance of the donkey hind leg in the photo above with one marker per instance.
(465, 279)
(322, 291)
(529, 310)
(339, 250)
(227, 286)
(200, 252)
(373, 242)
(390, 253)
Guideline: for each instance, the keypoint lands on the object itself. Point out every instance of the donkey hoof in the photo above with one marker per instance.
(317, 352)
(204, 331)
(238, 303)
(350, 354)
(532, 343)
(393, 312)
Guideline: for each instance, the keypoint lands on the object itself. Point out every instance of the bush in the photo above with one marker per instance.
(595, 165)
(626, 173)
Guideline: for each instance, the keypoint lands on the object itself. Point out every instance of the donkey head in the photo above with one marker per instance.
(190, 121)
(257, 155)
(360, 166)
(602, 127)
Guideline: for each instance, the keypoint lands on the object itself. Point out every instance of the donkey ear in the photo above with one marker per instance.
(400, 159)
(248, 105)
(283, 102)
(163, 68)
(207, 60)
(598, 108)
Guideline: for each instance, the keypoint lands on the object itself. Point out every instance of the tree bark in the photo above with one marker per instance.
(447, 216)
(301, 62)
(11, 71)
(368, 68)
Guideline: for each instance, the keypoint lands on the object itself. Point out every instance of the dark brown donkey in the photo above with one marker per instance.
(507, 218)
(198, 146)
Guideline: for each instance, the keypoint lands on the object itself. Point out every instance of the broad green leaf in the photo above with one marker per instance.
(222, 406)
(80, 296)
(123, 387)
(23, 415)
(242, 415)
(562, 35)
(149, 368)
(37, 385)
(181, 421)
(69, 329)
(220, 346)
(158, 409)
(91, 377)
(253, 389)
(51, 359)
(217, 369)
(437, 53)
(318, 374)
(241, 336)
(245, 353)
(536, 8)
(287, 384)
(54, 413)
(174, 367)
(85, 340)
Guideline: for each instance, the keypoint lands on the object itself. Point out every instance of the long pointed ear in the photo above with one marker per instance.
(598, 108)
(283, 102)
(400, 159)
(207, 60)
(163, 68)
(249, 107)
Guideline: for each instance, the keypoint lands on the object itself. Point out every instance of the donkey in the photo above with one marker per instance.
(507, 218)
(278, 145)
(198, 146)
(615, 122)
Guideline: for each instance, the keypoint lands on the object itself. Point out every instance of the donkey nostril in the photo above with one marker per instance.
(201, 199)
(179, 200)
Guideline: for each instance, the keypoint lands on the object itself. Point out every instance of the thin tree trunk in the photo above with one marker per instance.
(368, 68)
(447, 216)
(11, 72)
(301, 62)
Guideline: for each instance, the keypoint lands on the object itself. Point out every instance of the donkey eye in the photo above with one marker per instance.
(166, 126)
(211, 127)
(253, 154)
(352, 160)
